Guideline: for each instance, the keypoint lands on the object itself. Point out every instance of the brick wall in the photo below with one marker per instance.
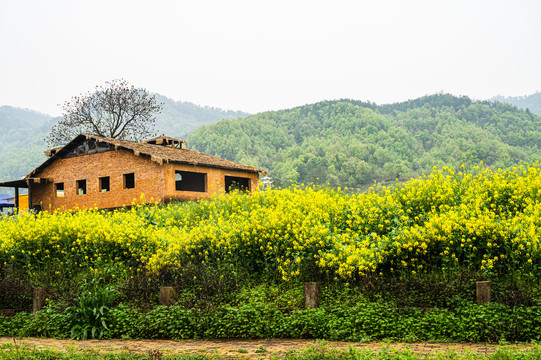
(151, 179)
(114, 164)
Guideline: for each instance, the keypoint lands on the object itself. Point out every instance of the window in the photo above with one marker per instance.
(105, 184)
(81, 187)
(129, 181)
(190, 181)
(236, 183)
(59, 189)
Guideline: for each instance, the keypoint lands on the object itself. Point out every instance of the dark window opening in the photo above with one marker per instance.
(129, 181)
(105, 184)
(190, 181)
(90, 147)
(236, 183)
(81, 187)
(59, 189)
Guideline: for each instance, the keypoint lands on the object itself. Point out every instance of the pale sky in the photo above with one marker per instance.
(268, 55)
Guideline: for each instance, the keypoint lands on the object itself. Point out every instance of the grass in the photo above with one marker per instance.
(320, 351)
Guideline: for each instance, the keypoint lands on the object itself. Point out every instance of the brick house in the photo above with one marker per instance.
(92, 171)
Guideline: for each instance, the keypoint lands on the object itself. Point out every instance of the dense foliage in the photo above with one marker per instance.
(352, 143)
(478, 220)
(249, 253)
(364, 321)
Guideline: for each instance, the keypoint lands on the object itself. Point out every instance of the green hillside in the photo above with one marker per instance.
(343, 143)
(352, 143)
(530, 102)
(21, 141)
(179, 118)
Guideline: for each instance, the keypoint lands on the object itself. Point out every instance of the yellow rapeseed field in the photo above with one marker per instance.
(475, 218)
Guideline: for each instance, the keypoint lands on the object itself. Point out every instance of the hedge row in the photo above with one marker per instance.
(368, 321)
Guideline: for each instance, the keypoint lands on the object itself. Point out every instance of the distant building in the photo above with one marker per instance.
(92, 171)
(6, 202)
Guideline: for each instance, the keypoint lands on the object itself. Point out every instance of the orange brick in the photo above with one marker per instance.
(151, 179)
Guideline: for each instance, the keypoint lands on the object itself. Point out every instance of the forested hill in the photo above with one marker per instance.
(352, 143)
(531, 102)
(21, 141)
(178, 118)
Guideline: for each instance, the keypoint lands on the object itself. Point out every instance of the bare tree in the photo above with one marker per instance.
(116, 110)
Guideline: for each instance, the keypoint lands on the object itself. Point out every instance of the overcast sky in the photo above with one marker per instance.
(268, 55)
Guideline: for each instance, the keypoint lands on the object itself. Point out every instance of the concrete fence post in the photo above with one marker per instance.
(312, 291)
(40, 294)
(168, 295)
(483, 292)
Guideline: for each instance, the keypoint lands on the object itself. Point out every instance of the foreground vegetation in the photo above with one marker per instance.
(397, 262)
(482, 221)
(363, 322)
(319, 352)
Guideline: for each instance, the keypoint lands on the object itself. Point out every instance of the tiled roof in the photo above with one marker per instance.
(157, 153)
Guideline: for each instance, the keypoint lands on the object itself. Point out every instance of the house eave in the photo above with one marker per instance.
(24, 183)
(216, 166)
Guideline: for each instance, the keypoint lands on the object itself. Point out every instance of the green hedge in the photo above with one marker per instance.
(368, 321)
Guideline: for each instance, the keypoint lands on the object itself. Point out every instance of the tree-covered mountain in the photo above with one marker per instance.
(23, 132)
(352, 143)
(531, 102)
(179, 118)
(344, 143)
(21, 141)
